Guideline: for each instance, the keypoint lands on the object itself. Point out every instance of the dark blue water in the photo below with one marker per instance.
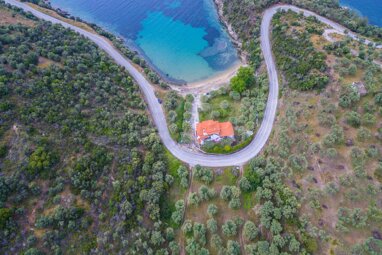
(372, 9)
(182, 38)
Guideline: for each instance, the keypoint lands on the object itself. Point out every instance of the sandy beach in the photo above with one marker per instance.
(209, 84)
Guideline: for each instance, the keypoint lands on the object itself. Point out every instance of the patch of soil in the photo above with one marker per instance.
(10, 17)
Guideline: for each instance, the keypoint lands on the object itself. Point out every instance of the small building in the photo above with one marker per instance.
(210, 130)
(360, 87)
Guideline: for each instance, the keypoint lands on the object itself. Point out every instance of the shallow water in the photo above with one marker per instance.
(181, 38)
(372, 9)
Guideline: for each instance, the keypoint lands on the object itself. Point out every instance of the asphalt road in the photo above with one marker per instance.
(182, 153)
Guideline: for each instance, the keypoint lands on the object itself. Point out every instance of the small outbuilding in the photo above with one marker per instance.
(360, 87)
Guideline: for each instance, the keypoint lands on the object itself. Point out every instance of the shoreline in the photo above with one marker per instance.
(230, 31)
(362, 13)
(222, 78)
(128, 45)
(212, 83)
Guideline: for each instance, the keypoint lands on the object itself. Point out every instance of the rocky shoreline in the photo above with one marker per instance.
(234, 36)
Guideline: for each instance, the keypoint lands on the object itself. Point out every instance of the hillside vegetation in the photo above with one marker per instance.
(328, 141)
(82, 170)
(245, 18)
(80, 161)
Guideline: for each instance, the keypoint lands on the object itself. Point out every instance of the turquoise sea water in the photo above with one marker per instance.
(372, 9)
(183, 39)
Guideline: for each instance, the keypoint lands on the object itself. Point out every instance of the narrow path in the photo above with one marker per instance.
(194, 157)
(189, 190)
(242, 242)
(195, 111)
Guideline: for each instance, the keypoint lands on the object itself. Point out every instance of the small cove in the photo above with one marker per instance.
(184, 40)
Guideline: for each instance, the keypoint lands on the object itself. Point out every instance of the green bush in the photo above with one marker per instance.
(5, 215)
(218, 148)
(353, 119)
(40, 160)
(244, 79)
(378, 99)
(349, 97)
(3, 150)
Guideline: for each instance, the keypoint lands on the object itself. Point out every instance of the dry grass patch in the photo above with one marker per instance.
(11, 17)
(318, 41)
(337, 37)
(39, 233)
(44, 63)
(354, 78)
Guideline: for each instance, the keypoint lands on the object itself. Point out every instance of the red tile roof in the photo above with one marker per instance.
(208, 128)
(226, 129)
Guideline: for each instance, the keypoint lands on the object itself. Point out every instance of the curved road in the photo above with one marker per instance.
(191, 157)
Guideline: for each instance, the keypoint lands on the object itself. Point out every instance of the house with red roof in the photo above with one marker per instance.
(211, 130)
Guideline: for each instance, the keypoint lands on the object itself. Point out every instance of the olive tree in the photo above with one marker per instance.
(193, 199)
(212, 210)
(212, 225)
(199, 231)
(217, 242)
(187, 227)
(229, 228)
(226, 193)
(250, 231)
(235, 203)
(245, 184)
(177, 215)
(353, 119)
(183, 174)
(206, 193)
(233, 247)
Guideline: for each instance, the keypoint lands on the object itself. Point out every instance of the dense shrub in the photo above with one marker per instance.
(40, 160)
(243, 79)
(353, 119)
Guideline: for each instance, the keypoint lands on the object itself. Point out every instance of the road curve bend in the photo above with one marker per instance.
(191, 157)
